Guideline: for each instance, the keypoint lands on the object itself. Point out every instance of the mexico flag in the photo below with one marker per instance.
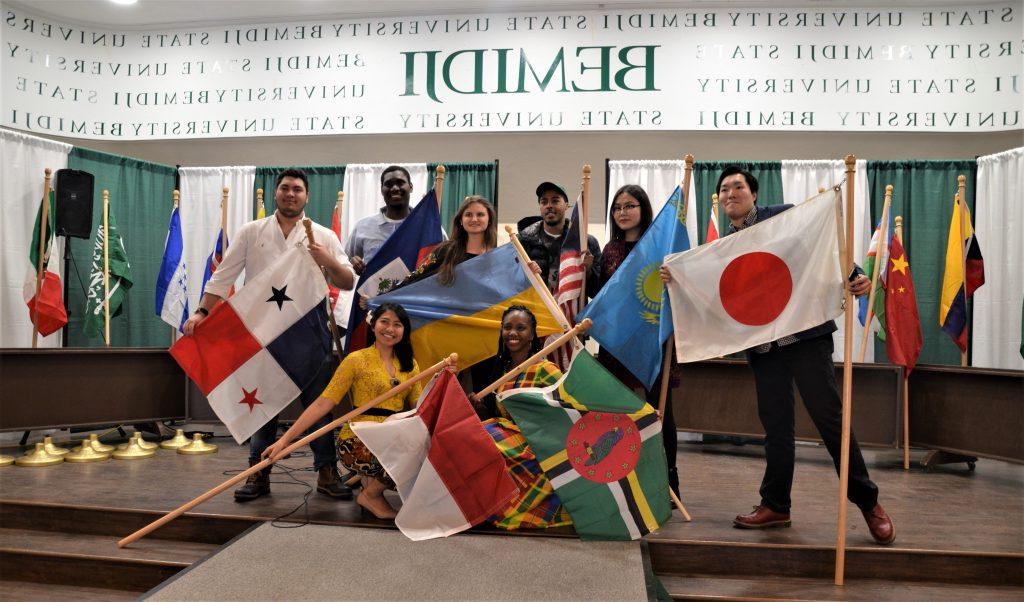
(447, 469)
(258, 349)
(45, 305)
(773, 279)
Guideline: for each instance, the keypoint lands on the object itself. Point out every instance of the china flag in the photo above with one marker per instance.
(902, 326)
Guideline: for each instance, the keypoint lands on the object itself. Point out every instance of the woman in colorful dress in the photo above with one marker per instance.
(368, 373)
(536, 506)
(630, 216)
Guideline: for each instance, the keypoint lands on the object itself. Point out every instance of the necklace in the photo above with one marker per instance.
(389, 367)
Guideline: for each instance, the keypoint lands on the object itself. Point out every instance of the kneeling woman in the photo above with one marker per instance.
(386, 363)
(536, 506)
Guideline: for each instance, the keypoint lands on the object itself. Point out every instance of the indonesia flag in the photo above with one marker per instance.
(260, 348)
(773, 279)
(449, 473)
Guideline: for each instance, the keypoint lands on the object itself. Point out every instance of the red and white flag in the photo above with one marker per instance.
(449, 473)
(712, 225)
(773, 279)
(569, 293)
(262, 346)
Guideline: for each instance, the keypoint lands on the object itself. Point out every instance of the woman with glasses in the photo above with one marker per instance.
(630, 215)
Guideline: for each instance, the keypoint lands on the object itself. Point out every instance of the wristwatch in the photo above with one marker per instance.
(204, 311)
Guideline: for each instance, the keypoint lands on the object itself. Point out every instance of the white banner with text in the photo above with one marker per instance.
(897, 69)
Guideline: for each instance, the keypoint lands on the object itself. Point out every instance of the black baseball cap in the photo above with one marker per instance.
(546, 186)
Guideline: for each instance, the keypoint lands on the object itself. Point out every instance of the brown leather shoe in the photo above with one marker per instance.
(880, 525)
(330, 484)
(761, 518)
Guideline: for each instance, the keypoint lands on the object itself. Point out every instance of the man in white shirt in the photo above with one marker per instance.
(371, 231)
(254, 248)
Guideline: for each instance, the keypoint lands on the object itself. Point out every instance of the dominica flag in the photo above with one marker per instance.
(600, 446)
(260, 348)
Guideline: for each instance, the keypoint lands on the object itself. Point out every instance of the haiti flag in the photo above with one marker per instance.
(261, 347)
(773, 279)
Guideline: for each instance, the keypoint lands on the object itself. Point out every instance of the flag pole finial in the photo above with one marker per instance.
(888, 189)
(688, 159)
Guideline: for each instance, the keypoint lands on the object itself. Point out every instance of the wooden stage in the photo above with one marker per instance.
(960, 534)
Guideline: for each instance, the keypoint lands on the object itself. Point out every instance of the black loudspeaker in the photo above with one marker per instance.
(74, 203)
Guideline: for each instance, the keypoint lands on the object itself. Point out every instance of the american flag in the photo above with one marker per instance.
(569, 294)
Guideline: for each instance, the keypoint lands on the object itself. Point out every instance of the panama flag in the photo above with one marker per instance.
(262, 346)
(449, 473)
(171, 295)
(773, 279)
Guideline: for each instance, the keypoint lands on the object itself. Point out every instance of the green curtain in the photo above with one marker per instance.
(923, 194)
(324, 183)
(462, 180)
(140, 199)
(705, 174)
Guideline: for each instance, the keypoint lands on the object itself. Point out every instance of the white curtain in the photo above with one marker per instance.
(800, 181)
(200, 214)
(362, 191)
(658, 179)
(999, 222)
(24, 158)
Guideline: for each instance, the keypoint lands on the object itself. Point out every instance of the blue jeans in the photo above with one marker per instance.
(323, 447)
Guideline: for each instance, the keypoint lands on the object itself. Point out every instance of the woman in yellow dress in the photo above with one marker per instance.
(386, 363)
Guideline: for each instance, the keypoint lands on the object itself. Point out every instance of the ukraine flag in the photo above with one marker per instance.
(465, 318)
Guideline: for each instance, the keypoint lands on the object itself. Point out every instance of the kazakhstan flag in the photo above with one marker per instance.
(629, 311)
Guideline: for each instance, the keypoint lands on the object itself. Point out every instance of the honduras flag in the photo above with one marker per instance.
(409, 244)
(171, 295)
(631, 313)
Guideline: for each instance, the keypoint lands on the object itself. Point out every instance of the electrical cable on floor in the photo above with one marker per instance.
(304, 504)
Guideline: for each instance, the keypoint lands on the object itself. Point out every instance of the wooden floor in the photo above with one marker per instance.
(954, 526)
(949, 509)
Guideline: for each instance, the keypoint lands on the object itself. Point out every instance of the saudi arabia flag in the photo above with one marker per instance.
(120, 279)
(600, 445)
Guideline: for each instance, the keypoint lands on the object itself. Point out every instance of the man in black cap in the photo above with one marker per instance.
(543, 240)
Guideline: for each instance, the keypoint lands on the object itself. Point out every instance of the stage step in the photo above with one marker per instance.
(45, 549)
(26, 591)
(792, 589)
(680, 558)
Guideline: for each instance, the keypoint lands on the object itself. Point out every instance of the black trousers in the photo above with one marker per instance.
(669, 435)
(808, 364)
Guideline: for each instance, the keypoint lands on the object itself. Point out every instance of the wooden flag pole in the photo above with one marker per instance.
(176, 201)
(844, 454)
(260, 209)
(310, 239)
(451, 360)
(41, 259)
(669, 350)
(223, 223)
(439, 185)
(962, 195)
(883, 236)
(539, 285)
(906, 377)
(106, 267)
(581, 301)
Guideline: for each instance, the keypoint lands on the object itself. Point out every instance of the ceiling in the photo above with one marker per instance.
(148, 14)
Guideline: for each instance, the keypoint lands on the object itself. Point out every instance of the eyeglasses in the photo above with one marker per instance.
(624, 208)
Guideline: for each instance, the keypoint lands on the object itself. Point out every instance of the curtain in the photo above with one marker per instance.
(21, 184)
(324, 183)
(462, 180)
(658, 179)
(800, 181)
(923, 194)
(362, 190)
(999, 221)
(141, 200)
(705, 174)
(201, 215)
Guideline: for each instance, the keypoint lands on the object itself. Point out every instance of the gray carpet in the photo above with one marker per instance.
(317, 562)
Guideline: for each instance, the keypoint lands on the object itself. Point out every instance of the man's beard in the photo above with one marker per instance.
(290, 213)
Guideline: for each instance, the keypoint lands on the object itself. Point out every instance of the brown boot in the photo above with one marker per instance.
(880, 525)
(258, 484)
(762, 517)
(329, 483)
(371, 499)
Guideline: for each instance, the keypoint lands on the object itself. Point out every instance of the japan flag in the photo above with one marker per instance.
(773, 279)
